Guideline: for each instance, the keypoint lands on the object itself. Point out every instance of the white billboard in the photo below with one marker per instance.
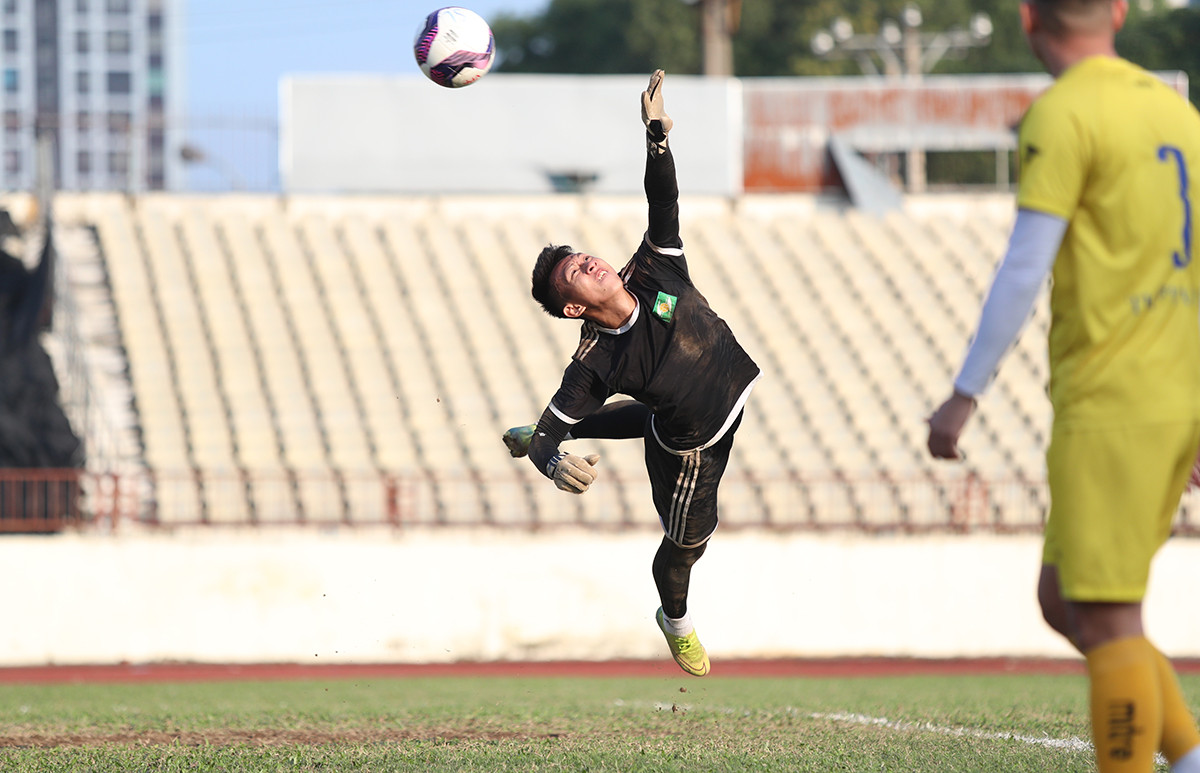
(504, 134)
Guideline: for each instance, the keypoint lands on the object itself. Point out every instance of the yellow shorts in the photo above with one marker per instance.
(1113, 495)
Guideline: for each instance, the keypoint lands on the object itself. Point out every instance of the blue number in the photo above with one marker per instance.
(1181, 259)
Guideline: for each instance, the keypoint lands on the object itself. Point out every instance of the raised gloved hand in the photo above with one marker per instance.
(658, 123)
(517, 440)
(574, 473)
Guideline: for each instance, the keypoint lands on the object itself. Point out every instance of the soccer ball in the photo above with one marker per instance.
(454, 47)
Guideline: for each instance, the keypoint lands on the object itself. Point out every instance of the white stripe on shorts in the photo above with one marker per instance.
(681, 499)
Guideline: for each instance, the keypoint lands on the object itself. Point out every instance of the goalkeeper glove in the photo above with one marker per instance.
(517, 439)
(573, 473)
(658, 123)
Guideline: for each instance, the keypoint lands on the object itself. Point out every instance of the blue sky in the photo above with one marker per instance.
(237, 50)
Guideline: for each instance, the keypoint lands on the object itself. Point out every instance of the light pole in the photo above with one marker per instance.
(905, 51)
(718, 22)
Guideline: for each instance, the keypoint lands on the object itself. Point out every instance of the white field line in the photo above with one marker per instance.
(1070, 744)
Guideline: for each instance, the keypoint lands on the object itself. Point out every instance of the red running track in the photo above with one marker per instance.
(836, 668)
(812, 668)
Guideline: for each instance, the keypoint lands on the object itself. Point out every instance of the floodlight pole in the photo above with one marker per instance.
(906, 52)
(718, 22)
(911, 22)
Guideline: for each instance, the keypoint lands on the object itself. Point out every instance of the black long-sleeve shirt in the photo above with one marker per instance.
(674, 354)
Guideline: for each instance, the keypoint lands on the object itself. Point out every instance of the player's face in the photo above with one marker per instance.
(585, 281)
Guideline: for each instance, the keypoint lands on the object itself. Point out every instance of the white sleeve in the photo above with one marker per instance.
(1032, 248)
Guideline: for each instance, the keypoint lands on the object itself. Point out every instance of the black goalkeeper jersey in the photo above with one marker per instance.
(674, 354)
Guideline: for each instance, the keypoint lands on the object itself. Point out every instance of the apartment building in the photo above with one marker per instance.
(102, 78)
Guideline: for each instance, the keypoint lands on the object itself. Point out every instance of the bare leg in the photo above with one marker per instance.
(1054, 608)
(1085, 624)
(1138, 669)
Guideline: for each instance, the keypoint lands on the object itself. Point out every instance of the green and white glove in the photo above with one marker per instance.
(573, 473)
(658, 123)
(517, 440)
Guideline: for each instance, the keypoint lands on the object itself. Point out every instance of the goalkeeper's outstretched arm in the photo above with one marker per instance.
(662, 187)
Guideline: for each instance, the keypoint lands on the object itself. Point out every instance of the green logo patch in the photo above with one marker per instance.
(664, 306)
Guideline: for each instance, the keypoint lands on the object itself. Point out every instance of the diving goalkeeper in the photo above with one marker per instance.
(647, 333)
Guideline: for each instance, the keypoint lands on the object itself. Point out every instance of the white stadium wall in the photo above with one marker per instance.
(485, 595)
(505, 134)
(373, 134)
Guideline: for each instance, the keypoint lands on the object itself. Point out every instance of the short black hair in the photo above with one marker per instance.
(543, 292)
(1071, 16)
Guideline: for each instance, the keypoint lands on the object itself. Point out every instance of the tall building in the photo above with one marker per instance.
(105, 80)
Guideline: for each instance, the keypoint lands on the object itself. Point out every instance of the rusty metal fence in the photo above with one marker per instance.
(36, 501)
(57, 500)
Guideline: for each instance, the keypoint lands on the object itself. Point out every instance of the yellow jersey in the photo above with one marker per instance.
(1116, 152)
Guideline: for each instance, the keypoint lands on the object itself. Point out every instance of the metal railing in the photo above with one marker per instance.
(40, 501)
(57, 500)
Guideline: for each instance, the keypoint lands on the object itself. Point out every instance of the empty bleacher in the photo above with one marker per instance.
(330, 359)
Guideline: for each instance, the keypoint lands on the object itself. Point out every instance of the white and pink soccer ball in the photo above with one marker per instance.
(454, 47)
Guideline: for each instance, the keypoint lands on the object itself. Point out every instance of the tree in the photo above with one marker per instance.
(601, 36)
(773, 39)
(635, 36)
(1166, 41)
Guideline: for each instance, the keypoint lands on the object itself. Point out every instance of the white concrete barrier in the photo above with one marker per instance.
(482, 595)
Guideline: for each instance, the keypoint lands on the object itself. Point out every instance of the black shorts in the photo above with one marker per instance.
(684, 485)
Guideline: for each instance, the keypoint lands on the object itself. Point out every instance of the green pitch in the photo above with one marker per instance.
(960, 723)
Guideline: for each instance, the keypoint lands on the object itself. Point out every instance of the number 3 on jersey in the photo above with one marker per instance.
(1181, 259)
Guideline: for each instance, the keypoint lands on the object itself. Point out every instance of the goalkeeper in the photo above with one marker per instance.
(647, 333)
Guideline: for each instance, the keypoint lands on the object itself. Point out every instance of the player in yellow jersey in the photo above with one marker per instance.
(1109, 187)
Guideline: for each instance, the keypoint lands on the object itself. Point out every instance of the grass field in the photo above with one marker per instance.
(998, 723)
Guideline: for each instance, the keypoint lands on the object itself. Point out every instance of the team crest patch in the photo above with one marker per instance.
(664, 306)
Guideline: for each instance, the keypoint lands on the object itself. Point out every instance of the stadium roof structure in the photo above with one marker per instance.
(869, 189)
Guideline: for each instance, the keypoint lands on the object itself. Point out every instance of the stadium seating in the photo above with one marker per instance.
(356, 359)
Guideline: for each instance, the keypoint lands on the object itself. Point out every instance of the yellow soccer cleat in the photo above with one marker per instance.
(517, 439)
(687, 650)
